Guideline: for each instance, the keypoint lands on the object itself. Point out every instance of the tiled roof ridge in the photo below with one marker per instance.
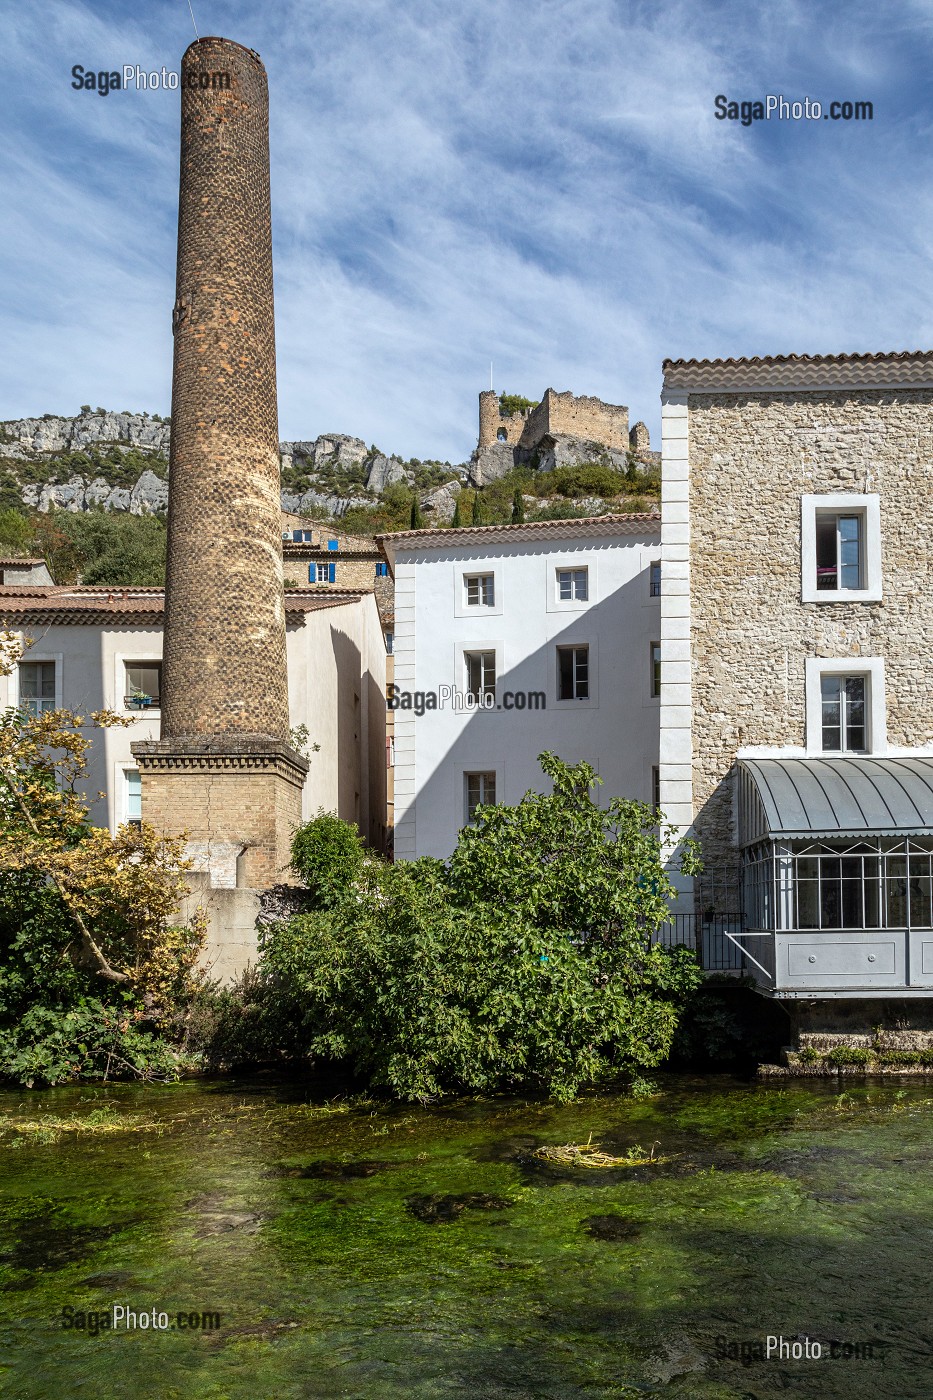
(853, 357)
(454, 533)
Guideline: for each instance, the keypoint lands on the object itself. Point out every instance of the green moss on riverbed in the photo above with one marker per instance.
(355, 1250)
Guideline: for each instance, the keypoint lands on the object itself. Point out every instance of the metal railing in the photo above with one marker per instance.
(709, 936)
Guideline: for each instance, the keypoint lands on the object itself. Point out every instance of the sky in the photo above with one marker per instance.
(538, 184)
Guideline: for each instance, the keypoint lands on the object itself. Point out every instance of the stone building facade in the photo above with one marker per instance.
(783, 679)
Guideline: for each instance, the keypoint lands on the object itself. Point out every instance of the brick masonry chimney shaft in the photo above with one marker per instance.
(224, 667)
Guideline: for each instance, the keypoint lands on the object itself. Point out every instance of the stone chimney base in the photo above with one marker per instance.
(237, 796)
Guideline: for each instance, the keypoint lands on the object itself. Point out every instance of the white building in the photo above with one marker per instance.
(100, 648)
(553, 628)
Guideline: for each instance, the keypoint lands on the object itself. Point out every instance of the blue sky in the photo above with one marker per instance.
(542, 184)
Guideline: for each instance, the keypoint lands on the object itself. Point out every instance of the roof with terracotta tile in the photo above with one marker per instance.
(637, 523)
(135, 606)
(879, 369)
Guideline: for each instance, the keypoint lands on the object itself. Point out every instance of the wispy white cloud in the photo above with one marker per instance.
(545, 186)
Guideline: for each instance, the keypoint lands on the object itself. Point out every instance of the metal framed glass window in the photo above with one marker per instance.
(844, 713)
(839, 551)
(144, 678)
(480, 673)
(37, 686)
(654, 578)
(875, 883)
(573, 585)
(480, 790)
(573, 673)
(480, 590)
(655, 669)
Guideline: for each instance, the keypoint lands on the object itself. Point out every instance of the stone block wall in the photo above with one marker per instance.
(752, 456)
(572, 416)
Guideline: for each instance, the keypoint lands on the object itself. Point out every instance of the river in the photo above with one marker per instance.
(357, 1249)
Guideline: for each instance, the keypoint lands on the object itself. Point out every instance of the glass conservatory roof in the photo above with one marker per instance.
(793, 798)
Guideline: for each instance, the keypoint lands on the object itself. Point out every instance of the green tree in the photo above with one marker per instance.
(456, 522)
(526, 962)
(417, 521)
(327, 855)
(515, 403)
(112, 547)
(518, 508)
(479, 514)
(17, 535)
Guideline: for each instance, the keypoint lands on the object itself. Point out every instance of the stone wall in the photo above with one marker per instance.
(556, 415)
(572, 416)
(752, 456)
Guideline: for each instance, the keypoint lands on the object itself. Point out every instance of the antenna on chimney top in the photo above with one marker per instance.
(191, 12)
(490, 375)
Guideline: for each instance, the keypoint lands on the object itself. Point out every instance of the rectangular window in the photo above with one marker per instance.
(390, 641)
(839, 551)
(480, 590)
(143, 684)
(37, 686)
(480, 790)
(480, 673)
(655, 669)
(655, 786)
(654, 578)
(134, 795)
(845, 725)
(382, 571)
(322, 573)
(573, 673)
(572, 585)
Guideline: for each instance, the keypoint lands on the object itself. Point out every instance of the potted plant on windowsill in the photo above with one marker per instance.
(139, 700)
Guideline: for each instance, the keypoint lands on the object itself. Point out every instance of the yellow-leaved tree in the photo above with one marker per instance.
(96, 974)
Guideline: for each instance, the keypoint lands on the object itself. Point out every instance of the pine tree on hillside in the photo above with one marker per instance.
(479, 515)
(456, 523)
(417, 523)
(518, 508)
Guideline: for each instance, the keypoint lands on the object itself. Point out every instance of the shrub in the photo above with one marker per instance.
(515, 403)
(525, 961)
(849, 1055)
(327, 855)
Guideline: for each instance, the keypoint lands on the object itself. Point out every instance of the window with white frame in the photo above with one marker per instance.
(133, 794)
(573, 585)
(37, 686)
(479, 590)
(480, 791)
(840, 548)
(480, 669)
(844, 713)
(573, 673)
(654, 579)
(143, 684)
(845, 702)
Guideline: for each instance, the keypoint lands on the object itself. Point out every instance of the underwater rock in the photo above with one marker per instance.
(611, 1227)
(441, 1210)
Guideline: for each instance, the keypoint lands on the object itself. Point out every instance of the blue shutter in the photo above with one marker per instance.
(312, 573)
(296, 536)
(331, 573)
(333, 544)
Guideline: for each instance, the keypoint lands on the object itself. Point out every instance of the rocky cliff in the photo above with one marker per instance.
(120, 461)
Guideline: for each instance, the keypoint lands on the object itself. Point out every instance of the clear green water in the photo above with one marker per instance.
(782, 1211)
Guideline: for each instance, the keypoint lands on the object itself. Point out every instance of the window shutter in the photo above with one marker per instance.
(331, 573)
(312, 573)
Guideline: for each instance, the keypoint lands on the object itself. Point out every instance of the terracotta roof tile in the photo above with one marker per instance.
(634, 523)
(878, 369)
(143, 606)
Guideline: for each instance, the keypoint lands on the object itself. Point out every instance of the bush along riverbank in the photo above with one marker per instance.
(523, 962)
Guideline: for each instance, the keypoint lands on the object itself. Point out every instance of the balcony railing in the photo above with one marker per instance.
(708, 936)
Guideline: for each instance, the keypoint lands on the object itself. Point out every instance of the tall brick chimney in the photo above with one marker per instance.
(223, 767)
